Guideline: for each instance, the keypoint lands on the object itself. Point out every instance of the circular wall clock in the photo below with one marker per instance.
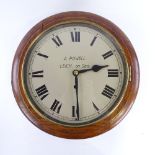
(75, 75)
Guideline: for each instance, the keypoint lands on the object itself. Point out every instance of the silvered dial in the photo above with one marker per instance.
(75, 74)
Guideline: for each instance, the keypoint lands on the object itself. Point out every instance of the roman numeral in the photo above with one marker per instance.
(108, 91)
(92, 43)
(57, 41)
(42, 55)
(108, 54)
(96, 108)
(112, 72)
(37, 74)
(42, 92)
(75, 36)
(73, 111)
(56, 106)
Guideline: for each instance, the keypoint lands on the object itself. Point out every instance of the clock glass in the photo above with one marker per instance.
(75, 73)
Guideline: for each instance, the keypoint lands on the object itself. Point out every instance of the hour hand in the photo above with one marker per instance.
(94, 68)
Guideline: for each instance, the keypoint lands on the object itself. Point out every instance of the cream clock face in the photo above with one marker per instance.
(75, 74)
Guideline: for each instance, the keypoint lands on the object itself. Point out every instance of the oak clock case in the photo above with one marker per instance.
(75, 75)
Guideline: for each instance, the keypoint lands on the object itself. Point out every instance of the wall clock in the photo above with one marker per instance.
(75, 75)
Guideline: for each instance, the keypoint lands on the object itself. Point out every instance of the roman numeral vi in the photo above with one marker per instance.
(73, 111)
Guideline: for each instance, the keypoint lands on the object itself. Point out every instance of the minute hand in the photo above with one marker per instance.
(94, 68)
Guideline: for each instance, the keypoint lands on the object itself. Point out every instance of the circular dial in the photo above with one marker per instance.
(75, 73)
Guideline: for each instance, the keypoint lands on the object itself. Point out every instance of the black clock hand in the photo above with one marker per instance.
(94, 68)
(75, 73)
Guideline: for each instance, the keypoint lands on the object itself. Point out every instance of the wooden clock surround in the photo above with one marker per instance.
(105, 123)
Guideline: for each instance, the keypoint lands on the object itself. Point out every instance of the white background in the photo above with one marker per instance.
(134, 135)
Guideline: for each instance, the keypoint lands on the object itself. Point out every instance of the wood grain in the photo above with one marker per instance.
(104, 124)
